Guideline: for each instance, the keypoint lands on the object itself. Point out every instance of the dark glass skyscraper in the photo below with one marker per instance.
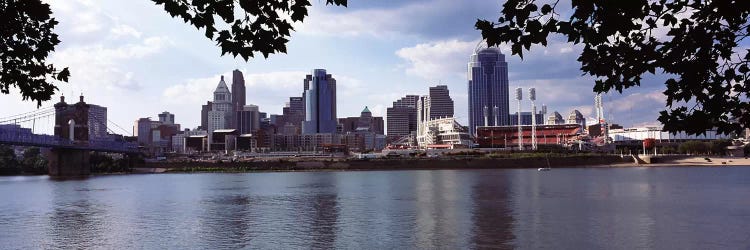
(238, 95)
(488, 88)
(320, 103)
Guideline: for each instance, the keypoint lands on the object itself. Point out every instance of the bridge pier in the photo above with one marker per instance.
(65, 162)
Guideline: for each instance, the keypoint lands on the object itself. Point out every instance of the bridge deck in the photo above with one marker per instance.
(48, 141)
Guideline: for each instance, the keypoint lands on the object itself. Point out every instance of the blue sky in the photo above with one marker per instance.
(136, 60)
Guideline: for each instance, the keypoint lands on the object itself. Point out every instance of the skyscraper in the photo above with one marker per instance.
(293, 114)
(402, 116)
(221, 108)
(440, 102)
(204, 115)
(97, 122)
(166, 118)
(248, 119)
(488, 88)
(238, 93)
(320, 103)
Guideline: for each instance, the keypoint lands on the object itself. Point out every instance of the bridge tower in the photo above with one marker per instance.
(71, 125)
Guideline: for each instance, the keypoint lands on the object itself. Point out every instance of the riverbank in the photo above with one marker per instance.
(384, 164)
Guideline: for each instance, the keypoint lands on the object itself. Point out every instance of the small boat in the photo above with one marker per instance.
(547, 168)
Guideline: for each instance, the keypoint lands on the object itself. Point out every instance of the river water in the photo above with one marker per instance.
(584, 208)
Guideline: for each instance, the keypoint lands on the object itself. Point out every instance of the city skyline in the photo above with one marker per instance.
(137, 70)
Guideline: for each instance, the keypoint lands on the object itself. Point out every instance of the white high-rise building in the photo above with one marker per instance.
(221, 109)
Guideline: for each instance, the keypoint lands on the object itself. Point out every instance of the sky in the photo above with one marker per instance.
(136, 60)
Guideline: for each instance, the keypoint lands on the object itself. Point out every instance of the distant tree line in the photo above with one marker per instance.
(30, 162)
(104, 163)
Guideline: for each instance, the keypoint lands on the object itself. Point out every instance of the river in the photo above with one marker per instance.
(577, 208)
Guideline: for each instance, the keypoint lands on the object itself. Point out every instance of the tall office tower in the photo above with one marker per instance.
(488, 88)
(166, 118)
(142, 130)
(402, 116)
(248, 119)
(221, 108)
(97, 122)
(320, 103)
(440, 102)
(204, 115)
(294, 112)
(238, 93)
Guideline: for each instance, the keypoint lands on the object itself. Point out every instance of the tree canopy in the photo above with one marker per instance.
(239, 27)
(26, 39)
(695, 43)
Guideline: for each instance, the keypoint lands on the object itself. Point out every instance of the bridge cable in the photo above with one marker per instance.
(29, 112)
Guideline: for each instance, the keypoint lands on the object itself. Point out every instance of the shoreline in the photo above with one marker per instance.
(326, 165)
(604, 161)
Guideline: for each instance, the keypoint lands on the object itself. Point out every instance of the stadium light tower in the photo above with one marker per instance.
(600, 116)
(496, 114)
(486, 116)
(519, 97)
(532, 97)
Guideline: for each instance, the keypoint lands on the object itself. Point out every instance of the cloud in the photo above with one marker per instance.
(80, 18)
(436, 60)
(123, 30)
(99, 65)
(429, 19)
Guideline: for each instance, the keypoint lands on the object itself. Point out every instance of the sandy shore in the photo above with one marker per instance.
(693, 161)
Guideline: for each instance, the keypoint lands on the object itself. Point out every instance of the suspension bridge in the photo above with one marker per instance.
(77, 129)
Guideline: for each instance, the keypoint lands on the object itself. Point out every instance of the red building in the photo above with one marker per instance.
(507, 136)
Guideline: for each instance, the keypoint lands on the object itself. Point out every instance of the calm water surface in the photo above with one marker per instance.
(627, 208)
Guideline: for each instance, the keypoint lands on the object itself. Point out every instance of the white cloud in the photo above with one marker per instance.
(636, 101)
(350, 23)
(437, 60)
(123, 30)
(98, 65)
(80, 16)
(433, 18)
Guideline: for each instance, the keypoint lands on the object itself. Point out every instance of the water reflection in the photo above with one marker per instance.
(75, 221)
(443, 216)
(703, 208)
(324, 221)
(492, 217)
(225, 219)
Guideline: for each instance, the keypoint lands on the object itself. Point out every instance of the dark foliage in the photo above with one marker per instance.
(26, 39)
(33, 162)
(709, 84)
(694, 147)
(8, 157)
(103, 163)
